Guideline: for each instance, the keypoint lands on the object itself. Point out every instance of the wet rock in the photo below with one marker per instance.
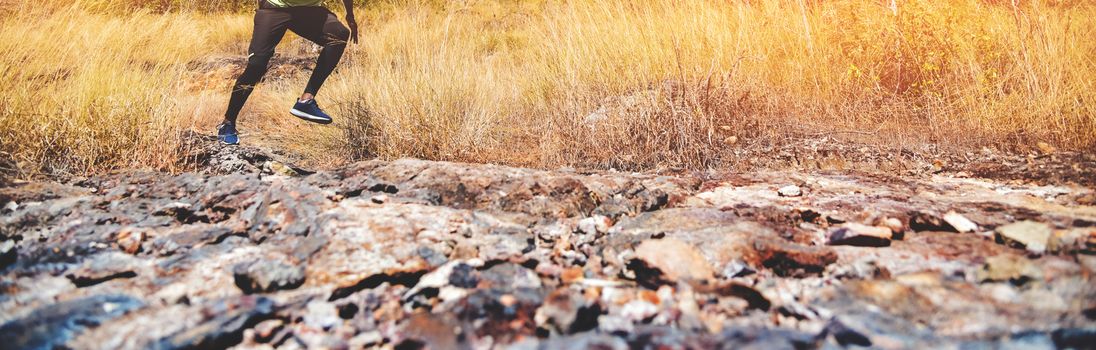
(1030, 235)
(860, 235)
(668, 260)
(51, 326)
(266, 276)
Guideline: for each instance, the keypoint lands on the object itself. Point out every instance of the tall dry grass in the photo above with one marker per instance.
(603, 83)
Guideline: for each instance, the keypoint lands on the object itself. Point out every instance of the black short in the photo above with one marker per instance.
(315, 23)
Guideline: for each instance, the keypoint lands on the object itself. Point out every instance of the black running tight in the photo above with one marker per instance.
(314, 23)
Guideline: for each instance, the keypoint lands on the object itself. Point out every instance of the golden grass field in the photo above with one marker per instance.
(102, 84)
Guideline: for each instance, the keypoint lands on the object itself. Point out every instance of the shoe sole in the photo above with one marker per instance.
(223, 142)
(309, 117)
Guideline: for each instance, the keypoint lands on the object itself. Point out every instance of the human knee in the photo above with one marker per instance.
(259, 61)
(256, 68)
(338, 35)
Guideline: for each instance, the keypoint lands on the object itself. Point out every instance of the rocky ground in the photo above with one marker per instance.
(255, 253)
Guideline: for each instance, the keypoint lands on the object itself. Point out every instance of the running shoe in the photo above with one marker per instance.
(227, 134)
(310, 111)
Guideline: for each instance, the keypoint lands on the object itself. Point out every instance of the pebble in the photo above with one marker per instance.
(959, 222)
(595, 224)
(129, 240)
(790, 191)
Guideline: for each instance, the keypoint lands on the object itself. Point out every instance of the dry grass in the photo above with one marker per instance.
(602, 83)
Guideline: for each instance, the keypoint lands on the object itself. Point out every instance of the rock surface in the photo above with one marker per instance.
(391, 254)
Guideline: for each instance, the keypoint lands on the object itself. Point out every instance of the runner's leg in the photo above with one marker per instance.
(322, 27)
(270, 27)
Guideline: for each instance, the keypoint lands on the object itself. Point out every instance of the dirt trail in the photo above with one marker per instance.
(414, 253)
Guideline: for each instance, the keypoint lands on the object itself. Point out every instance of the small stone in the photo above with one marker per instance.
(937, 166)
(379, 199)
(508, 300)
(737, 268)
(595, 224)
(730, 140)
(860, 235)
(895, 225)
(1034, 236)
(266, 276)
(675, 260)
(959, 222)
(130, 239)
(790, 191)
